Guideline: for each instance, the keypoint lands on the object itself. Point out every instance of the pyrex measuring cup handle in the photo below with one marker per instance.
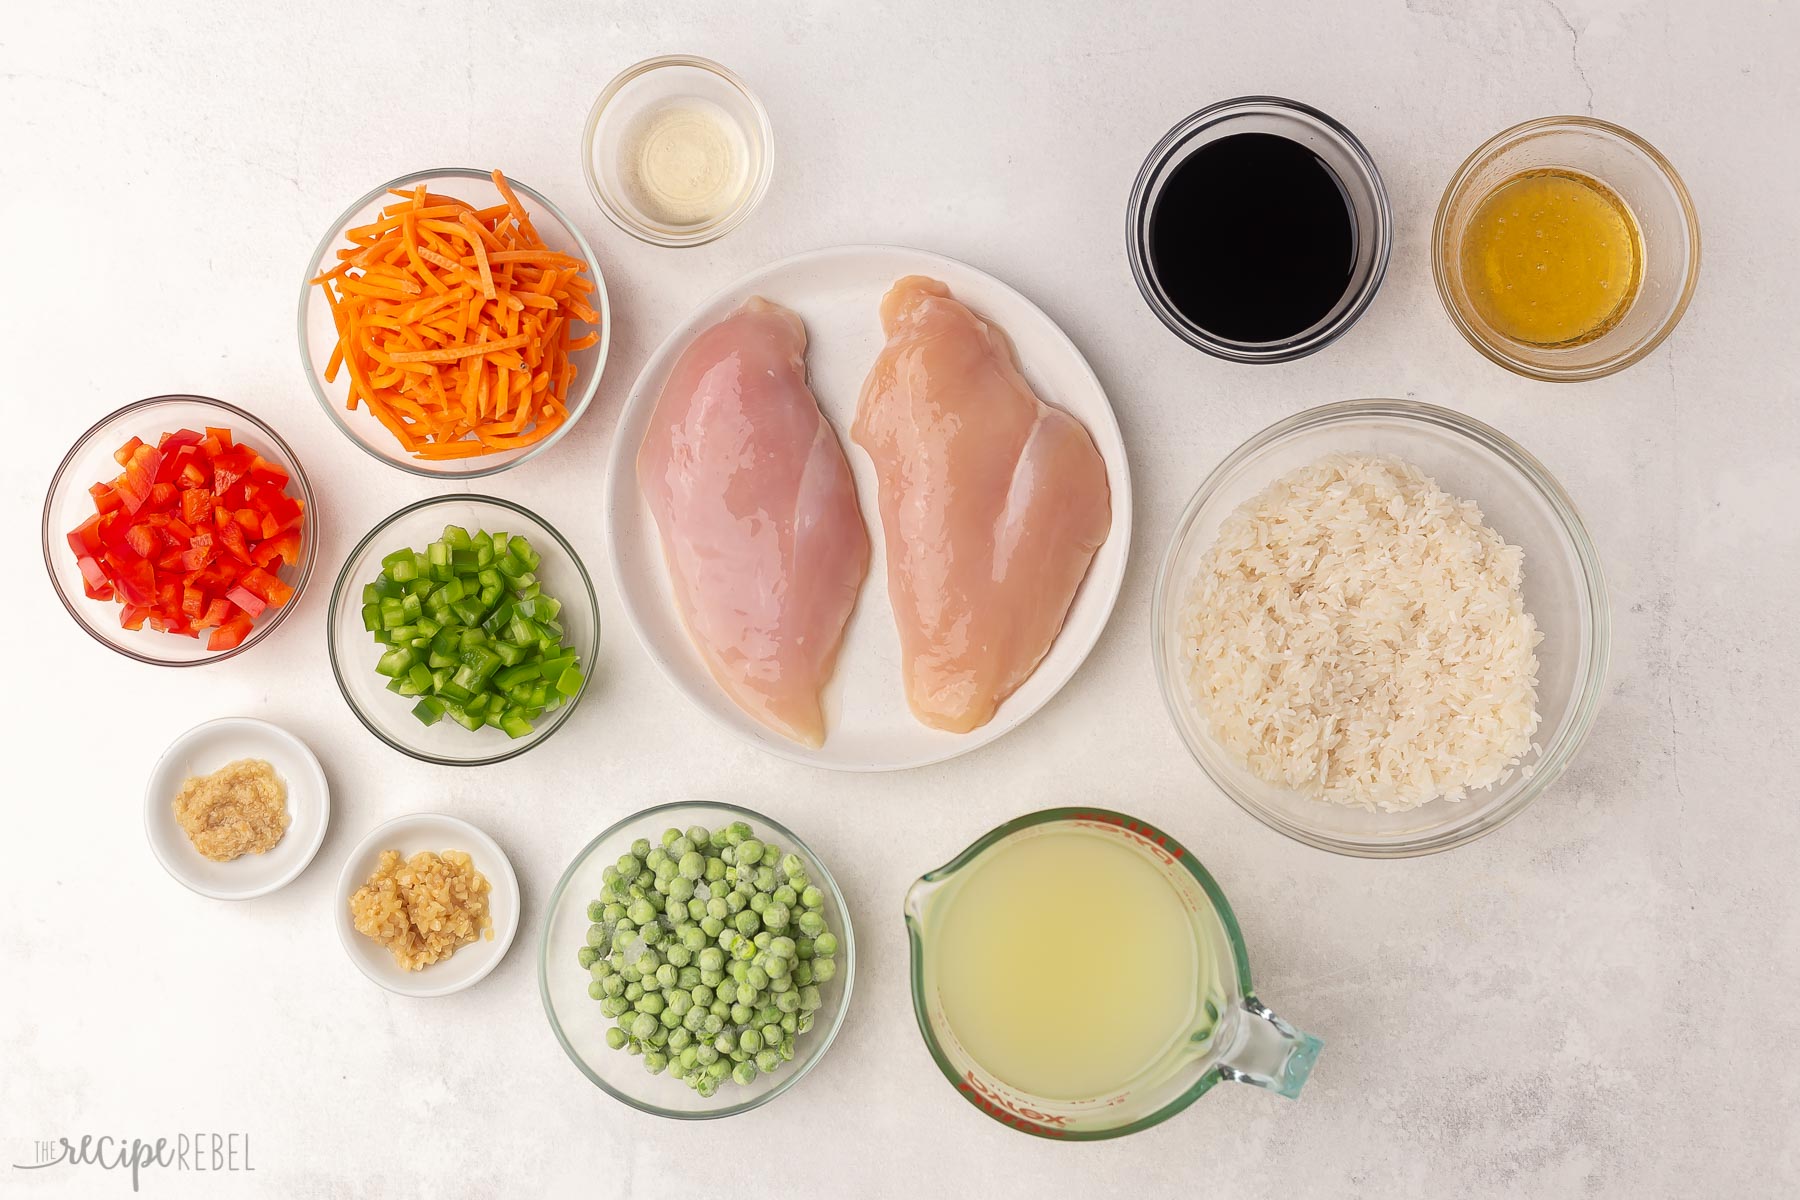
(1268, 1052)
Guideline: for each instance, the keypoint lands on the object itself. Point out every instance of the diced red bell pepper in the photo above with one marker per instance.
(175, 459)
(105, 498)
(247, 600)
(233, 541)
(191, 535)
(284, 548)
(267, 473)
(218, 611)
(85, 540)
(267, 586)
(280, 511)
(229, 467)
(134, 577)
(231, 634)
(143, 540)
(135, 485)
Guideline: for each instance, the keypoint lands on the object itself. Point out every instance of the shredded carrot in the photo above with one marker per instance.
(455, 324)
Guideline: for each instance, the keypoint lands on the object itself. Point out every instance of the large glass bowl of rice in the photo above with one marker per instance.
(1381, 628)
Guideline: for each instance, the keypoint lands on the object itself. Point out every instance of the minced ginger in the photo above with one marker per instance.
(239, 809)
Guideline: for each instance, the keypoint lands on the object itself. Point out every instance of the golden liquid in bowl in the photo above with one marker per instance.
(1552, 257)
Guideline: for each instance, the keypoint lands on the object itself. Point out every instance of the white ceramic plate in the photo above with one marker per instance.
(837, 292)
(409, 835)
(203, 750)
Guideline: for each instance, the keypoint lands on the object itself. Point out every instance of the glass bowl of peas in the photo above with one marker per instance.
(463, 630)
(696, 961)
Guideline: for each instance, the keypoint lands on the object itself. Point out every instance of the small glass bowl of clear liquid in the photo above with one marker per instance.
(677, 151)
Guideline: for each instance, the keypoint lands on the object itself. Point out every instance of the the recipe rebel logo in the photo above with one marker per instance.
(137, 1157)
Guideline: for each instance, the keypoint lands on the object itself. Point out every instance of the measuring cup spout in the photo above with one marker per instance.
(1268, 1052)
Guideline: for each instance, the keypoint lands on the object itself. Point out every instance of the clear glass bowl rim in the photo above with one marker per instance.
(707, 233)
(338, 593)
(1555, 757)
(337, 413)
(846, 953)
(1188, 859)
(1505, 140)
(1137, 222)
(309, 533)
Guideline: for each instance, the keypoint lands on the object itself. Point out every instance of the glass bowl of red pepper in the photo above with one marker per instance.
(179, 530)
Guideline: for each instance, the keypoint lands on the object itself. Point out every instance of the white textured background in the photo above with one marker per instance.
(1598, 1000)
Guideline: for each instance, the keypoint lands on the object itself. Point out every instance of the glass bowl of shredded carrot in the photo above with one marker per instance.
(454, 323)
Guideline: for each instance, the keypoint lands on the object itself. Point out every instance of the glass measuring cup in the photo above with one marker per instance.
(1232, 1034)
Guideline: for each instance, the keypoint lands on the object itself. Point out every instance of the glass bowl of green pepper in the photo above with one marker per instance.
(463, 630)
(697, 960)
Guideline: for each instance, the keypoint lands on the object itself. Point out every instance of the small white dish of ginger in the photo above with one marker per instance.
(236, 808)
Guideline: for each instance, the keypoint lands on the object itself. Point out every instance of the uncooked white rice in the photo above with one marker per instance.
(1358, 635)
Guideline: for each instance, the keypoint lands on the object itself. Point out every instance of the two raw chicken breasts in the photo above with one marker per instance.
(992, 506)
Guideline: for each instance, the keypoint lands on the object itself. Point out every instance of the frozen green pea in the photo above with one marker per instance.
(803, 948)
(749, 852)
(765, 879)
(692, 866)
(776, 916)
(652, 1003)
(712, 1022)
(757, 978)
(656, 858)
(786, 895)
(587, 956)
(768, 1061)
(782, 947)
(790, 1022)
(680, 848)
(596, 935)
(824, 969)
(711, 925)
(737, 833)
(805, 1023)
(810, 999)
(693, 1020)
(614, 985)
(681, 890)
(641, 912)
(680, 955)
(825, 945)
(744, 1074)
(639, 849)
(715, 870)
(747, 923)
(702, 993)
(811, 924)
(643, 1025)
(791, 865)
(812, 897)
(687, 977)
(759, 903)
(616, 1038)
(667, 974)
(787, 1001)
(634, 992)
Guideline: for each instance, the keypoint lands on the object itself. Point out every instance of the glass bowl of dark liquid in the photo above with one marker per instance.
(1259, 230)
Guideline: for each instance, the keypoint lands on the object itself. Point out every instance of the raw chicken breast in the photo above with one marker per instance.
(992, 504)
(760, 527)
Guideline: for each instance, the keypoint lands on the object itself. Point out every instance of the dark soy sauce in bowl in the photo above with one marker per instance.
(1253, 238)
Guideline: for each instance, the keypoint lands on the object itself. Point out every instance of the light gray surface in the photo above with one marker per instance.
(1598, 1000)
